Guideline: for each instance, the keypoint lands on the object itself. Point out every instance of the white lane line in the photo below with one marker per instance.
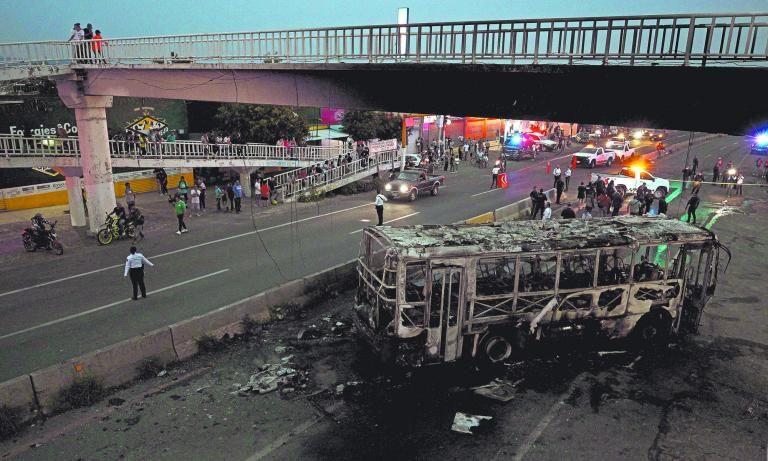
(390, 221)
(107, 306)
(533, 437)
(490, 190)
(283, 439)
(180, 250)
(724, 147)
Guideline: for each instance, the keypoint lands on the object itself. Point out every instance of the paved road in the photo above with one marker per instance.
(704, 397)
(56, 308)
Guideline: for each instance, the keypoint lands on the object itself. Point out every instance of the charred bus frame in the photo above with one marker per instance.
(433, 294)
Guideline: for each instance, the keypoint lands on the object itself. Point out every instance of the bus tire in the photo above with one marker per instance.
(653, 329)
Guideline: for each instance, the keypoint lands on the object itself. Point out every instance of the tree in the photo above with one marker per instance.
(369, 125)
(263, 124)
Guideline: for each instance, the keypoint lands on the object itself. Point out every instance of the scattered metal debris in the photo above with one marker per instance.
(498, 389)
(162, 373)
(311, 332)
(604, 353)
(464, 422)
(271, 377)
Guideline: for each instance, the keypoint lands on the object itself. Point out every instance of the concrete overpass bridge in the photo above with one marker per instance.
(703, 72)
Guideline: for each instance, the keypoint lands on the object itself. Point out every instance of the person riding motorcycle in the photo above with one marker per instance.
(39, 232)
(119, 213)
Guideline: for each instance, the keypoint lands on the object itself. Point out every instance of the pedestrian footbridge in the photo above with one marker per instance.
(38, 152)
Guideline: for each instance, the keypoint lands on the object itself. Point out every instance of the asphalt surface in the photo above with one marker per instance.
(54, 308)
(701, 397)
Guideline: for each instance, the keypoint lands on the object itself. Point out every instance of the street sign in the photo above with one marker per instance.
(382, 146)
(502, 181)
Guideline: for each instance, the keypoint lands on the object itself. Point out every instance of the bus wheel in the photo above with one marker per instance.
(653, 329)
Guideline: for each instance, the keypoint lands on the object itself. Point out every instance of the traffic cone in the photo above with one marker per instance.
(549, 167)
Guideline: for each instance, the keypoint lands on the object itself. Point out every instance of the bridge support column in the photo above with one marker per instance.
(245, 180)
(95, 159)
(75, 197)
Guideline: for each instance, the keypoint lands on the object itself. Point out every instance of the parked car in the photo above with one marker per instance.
(410, 183)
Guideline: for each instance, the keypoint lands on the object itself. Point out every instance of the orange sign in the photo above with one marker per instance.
(502, 181)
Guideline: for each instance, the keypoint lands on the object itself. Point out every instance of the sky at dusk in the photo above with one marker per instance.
(33, 20)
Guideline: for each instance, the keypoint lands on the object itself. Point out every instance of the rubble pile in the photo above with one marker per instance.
(274, 376)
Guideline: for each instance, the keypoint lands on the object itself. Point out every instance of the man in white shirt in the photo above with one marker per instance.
(567, 177)
(547, 212)
(380, 199)
(134, 265)
(494, 177)
(556, 173)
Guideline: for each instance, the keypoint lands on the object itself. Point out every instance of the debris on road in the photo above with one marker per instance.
(464, 422)
(604, 353)
(271, 377)
(311, 332)
(162, 373)
(498, 389)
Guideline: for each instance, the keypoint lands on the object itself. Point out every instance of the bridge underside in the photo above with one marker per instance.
(710, 99)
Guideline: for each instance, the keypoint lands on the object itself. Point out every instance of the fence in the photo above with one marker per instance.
(292, 185)
(46, 148)
(670, 39)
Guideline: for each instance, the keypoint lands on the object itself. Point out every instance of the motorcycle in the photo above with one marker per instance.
(50, 241)
(481, 160)
(110, 231)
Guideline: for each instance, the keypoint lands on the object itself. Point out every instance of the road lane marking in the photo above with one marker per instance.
(534, 436)
(107, 306)
(283, 439)
(390, 221)
(180, 250)
(489, 190)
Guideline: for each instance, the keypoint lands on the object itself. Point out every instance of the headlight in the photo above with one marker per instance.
(403, 188)
(637, 134)
(388, 186)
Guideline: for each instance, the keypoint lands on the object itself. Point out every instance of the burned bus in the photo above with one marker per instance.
(431, 294)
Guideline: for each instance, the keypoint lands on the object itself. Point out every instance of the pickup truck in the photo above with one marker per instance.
(620, 148)
(592, 156)
(410, 183)
(630, 178)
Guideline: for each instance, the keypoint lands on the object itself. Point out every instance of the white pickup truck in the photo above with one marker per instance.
(592, 156)
(620, 148)
(630, 178)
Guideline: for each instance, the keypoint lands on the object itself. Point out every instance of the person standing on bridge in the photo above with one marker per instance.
(134, 266)
(379, 204)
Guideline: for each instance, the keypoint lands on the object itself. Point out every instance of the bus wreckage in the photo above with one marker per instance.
(431, 294)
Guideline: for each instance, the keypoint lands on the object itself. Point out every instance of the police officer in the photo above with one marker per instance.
(134, 266)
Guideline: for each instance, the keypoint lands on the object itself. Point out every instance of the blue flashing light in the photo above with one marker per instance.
(516, 139)
(762, 139)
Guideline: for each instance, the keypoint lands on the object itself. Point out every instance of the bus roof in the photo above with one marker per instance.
(534, 236)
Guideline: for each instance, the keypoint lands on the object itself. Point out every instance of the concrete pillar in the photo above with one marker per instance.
(95, 159)
(245, 180)
(75, 196)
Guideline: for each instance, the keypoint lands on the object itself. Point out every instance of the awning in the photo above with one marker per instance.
(330, 133)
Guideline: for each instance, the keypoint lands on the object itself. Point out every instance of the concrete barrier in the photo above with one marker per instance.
(480, 219)
(520, 209)
(112, 366)
(19, 393)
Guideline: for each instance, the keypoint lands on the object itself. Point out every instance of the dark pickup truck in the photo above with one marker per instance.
(410, 183)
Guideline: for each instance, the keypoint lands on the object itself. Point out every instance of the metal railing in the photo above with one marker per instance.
(669, 39)
(45, 148)
(292, 183)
